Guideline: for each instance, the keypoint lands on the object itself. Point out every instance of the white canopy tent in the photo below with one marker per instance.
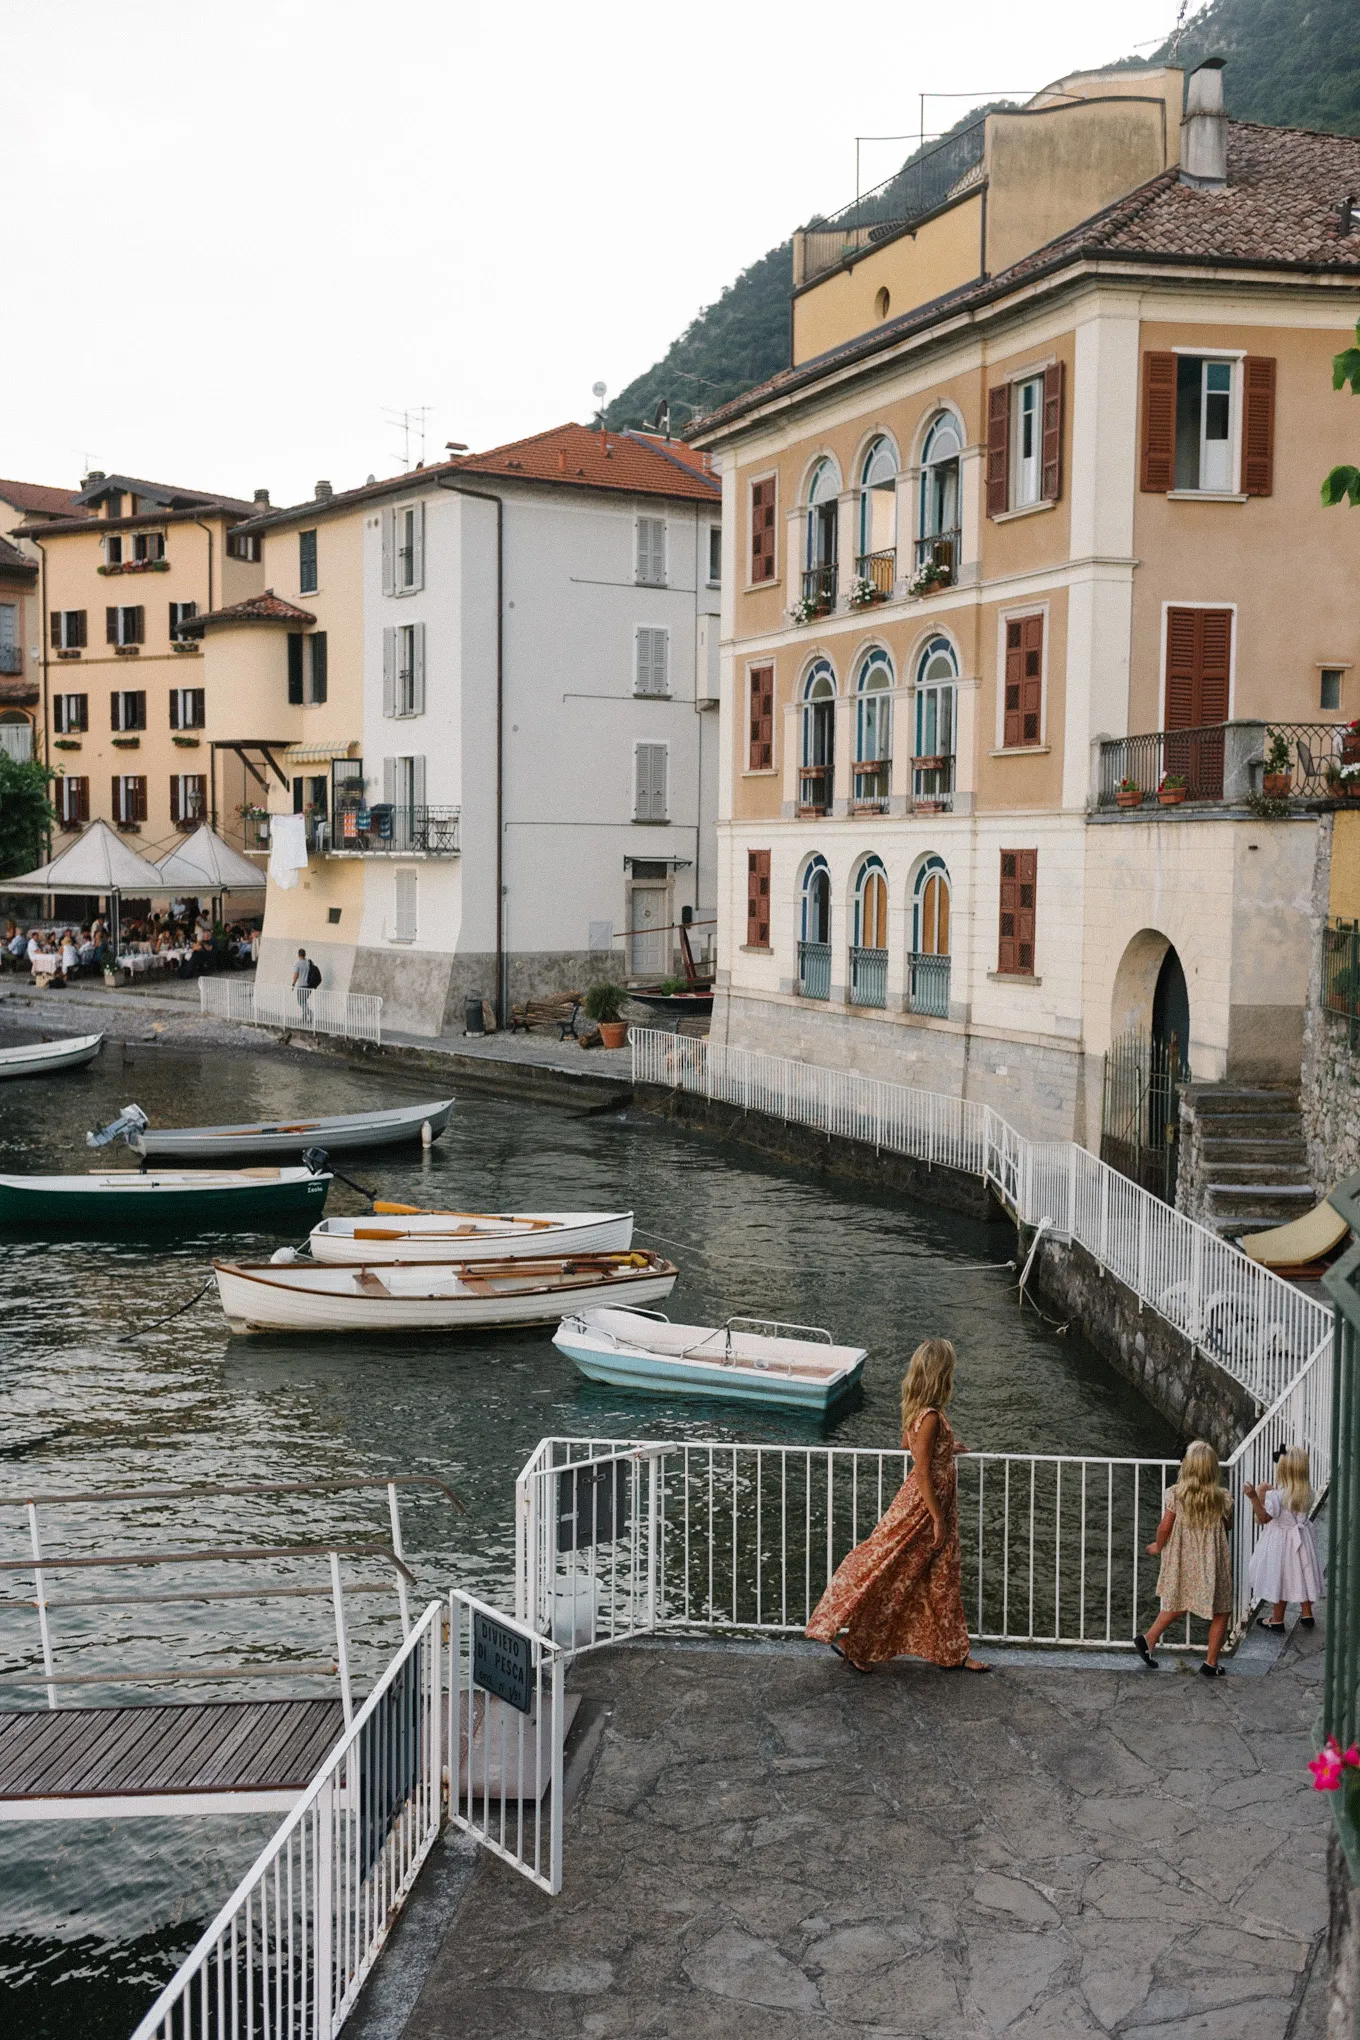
(203, 863)
(99, 861)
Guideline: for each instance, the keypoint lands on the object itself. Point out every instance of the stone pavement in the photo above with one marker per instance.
(771, 1845)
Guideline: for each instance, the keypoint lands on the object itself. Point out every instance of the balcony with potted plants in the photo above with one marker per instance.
(1267, 768)
(819, 594)
(936, 565)
(874, 579)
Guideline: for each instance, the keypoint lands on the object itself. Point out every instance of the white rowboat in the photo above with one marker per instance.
(390, 1236)
(46, 1056)
(345, 1131)
(299, 1296)
(746, 1360)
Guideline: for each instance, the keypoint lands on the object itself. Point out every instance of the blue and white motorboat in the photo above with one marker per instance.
(745, 1360)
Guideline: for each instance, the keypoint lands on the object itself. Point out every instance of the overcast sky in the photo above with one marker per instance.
(237, 234)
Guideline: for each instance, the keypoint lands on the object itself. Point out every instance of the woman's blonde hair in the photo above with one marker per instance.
(1291, 1478)
(929, 1380)
(1200, 1494)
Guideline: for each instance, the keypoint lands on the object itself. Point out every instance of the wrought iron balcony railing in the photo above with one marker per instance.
(928, 985)
(390, 829)
(879, 569)
(868, 977)
(940, 553)
(814, 970)
(819, 589)
(932, 783)
(871, 783)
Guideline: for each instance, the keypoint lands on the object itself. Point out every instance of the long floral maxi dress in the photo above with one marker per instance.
(896, 1593)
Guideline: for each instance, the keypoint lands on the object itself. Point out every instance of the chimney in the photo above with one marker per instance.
(95, 475)
(1204, 129)
(324, 492)
(262, 498)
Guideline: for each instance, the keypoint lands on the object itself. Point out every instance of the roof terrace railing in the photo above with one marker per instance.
(922, 183)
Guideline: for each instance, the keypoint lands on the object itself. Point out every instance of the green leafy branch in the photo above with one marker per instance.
(1343, 483)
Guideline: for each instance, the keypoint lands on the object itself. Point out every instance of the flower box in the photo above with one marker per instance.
(935, 763)
(186, 645)
(1277, 785)
(128, 828)
(186, 743)
(73, 653)
(1170, 796)
(1129, 797)
(127, 743)
(65, 743)
(134, 567)
(127, 651)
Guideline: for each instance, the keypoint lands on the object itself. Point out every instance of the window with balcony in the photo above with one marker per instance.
(651, 672)
(937, 672)
(873, 731)
(187, 708)
(70, 714)
(127, 709)
(876, 561)
(180, 614)
(928, 963)
(307, 581)
(937, 544)
(651, 551)
(818, 754)
(125, 626)
(869, 951)
(68, 630)
(821, 540)
(814, 931)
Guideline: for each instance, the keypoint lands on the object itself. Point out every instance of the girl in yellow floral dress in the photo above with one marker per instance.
(1196, 1572)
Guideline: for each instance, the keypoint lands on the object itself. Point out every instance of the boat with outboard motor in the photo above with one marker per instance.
(404, 1232)
(292, 1294)
(341, 1133)
(746, 1359)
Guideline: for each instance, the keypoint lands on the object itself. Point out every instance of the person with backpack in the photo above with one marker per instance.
(306, 978)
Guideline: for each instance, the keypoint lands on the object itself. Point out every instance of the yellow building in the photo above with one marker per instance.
(1034, 512)
(124, 704)
(21, 622)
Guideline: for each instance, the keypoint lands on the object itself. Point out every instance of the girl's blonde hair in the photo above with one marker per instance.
(1201, 1496)
(1291, 1478)
(929, 1380)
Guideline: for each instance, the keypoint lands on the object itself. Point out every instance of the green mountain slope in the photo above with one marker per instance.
(1291, 63)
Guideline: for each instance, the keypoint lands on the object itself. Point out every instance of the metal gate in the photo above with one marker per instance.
(1140, 1110)
(506, 1735)
(588, 1533)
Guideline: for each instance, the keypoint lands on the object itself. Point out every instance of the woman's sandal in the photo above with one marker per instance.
(1305, 1621)
(972, 1664)
(1275, 1628)
(847, 1660)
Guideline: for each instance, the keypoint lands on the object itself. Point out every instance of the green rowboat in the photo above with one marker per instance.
(164, 1200)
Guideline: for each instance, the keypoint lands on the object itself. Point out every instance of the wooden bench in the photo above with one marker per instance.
(559, 1012)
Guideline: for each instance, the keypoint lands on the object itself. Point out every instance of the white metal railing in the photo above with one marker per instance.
(1259, 1329)
(290, 1949)
(355, 1015)
(506, 1727)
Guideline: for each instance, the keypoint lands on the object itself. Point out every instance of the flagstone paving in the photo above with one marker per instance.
(771, 1845)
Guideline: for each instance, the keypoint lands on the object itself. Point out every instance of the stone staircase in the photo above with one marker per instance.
(1249, 1160)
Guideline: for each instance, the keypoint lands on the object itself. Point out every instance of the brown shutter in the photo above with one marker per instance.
(757, 899)
(1051, 483)
(138, 625)
(111, 626)
(1258, 424)
(761, 754)
(998, 449)
(174, 796)
(78, 618)
(1024, 682)
(1198, 667)
(139, 799)
(82, 813)
(1159, 423)
(174, 712)
(56, 629)
(762, 530)
(1015, 950)
(117, 800)
(115, 708)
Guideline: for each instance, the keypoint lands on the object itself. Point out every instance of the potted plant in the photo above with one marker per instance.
(932, 575)
(1278, 781)
(1350, 742)
(1171, 792)
(1129, 793)
(807, 608)
(862, 592)
(604, 1004)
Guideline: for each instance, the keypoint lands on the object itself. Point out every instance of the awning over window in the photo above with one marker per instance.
(319, 754)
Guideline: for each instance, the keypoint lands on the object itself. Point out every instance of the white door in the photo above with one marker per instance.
(647, 934)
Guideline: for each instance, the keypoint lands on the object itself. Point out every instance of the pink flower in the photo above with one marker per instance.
(1330, 1764)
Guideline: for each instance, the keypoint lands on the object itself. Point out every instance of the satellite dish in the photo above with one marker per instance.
(597, 390)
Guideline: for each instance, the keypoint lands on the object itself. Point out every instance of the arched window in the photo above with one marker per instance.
(873, 730)
(937, 672)
(869, 954)
(928, 965)
(877, 561)
(814, 938)
(817, 772)
(937, 548)
(822, 539)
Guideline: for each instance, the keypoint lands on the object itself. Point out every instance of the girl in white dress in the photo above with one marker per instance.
(1284, 1566)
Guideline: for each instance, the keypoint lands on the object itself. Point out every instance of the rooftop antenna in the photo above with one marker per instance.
(407, 422)
(598, 391)
(1178, 30)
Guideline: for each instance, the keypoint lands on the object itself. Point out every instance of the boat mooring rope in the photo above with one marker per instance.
(197, 1297)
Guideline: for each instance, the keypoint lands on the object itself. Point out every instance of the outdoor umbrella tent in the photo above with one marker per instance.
(203, 863)
(99, 861)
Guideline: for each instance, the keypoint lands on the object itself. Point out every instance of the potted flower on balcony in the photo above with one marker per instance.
(863, 592)
(1129, 793)
(1278, 781)
(1350, 743)
(931, 575)
(1171, 792)
(604, 1004)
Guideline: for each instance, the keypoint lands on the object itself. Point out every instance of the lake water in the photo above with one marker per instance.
(95, 1915)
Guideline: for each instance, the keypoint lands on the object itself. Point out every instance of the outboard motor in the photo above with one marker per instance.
(317, 1160)
(130, 1122)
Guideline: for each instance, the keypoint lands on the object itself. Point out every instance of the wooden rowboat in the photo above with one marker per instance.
(390, 1235)
(300, 1296)
(179, 1200)
(345, 1131)
(746, 1359)
(44, 1057)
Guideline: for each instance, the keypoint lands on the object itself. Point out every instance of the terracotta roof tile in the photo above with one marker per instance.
(266, 608)
(11, 558)
(36, 500)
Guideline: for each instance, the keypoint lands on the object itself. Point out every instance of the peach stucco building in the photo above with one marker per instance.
(1035, 511)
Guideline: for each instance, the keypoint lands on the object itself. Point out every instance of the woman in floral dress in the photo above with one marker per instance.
(901, 1590)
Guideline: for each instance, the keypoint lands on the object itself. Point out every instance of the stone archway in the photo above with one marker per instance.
(1135, 983)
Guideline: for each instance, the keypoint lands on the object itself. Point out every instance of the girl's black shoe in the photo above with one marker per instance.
(1212, 1671)
(1140, 1644)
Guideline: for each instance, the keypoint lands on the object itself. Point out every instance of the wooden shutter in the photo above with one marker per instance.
(757, 899)
(295, 666)
(82, 702)
(761, 754)
(1159, 424)
(1198, 667)
(418, 546)
(389, 551)
(117, 801)
(137, 634)
(319, 665)
(137, 788)
(111, 626)
(998, 449)
(174, 713)
(1015, 951)
(81, 803)
(418, 674)
(77, 617)
(762, 529)
(138, 721)
(1023, 721)
(56, 630)
(1258, 424)
(175, 782)
(1050, 487)
(389, 671)
(115, 711)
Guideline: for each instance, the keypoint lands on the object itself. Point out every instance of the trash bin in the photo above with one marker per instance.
(472, 1014)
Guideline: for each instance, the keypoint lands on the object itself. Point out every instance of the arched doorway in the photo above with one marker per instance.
(1171, 1009)
(1147, 1064)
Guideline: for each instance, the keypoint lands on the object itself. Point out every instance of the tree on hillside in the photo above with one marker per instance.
(26, 813)
(1344, 482)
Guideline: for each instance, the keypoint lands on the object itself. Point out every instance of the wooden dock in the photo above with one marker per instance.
(228, 1756)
